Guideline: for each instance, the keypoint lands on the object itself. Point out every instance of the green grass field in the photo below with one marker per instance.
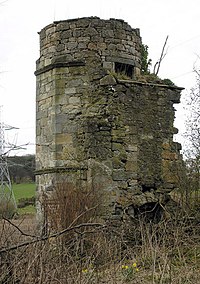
(24, 190)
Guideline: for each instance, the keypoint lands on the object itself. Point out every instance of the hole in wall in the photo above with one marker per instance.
(146, 188)
(150, 212)
(125, 69)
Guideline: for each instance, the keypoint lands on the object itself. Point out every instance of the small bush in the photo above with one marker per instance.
(168, 82)
(68, 205)
(23, 202)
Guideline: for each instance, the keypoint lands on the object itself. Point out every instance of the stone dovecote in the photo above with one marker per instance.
(98, 123)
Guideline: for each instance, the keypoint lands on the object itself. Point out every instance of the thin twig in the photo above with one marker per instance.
(24, 234)
(82, 214)
(50, 236)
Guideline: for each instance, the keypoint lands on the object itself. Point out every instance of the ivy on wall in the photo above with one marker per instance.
(145, 61)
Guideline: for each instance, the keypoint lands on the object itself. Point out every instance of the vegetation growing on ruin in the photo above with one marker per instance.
(88, 251)
(146, 73)
(145, 61)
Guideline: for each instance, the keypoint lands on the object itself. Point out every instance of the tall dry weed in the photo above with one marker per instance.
(135, 251)
(68, 205)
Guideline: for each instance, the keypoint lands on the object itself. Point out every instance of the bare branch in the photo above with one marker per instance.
(45, 238)
(162, 56)
(23, 233)
(13, 147)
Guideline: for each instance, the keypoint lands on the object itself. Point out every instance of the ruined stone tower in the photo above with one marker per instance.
(99, 122)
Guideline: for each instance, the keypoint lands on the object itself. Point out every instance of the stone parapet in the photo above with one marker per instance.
(103, 41)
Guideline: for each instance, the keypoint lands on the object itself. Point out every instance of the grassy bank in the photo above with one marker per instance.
(24, 190)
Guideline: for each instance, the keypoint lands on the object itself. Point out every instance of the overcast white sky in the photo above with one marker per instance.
(20, 20)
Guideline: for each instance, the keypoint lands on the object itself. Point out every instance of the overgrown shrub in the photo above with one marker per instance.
(23, 202)
(78, 249)
(168, 252)
(68, 205)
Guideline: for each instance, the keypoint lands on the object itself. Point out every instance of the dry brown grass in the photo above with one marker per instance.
(163, 253)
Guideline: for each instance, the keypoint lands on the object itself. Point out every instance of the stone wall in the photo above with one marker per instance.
(89, 41)
(98, 124)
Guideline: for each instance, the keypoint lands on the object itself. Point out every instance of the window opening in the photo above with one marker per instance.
(125, 69)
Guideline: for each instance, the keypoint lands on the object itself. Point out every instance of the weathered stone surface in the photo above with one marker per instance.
(119, 131)
(119, 175)
(131, 166)
(107, 80)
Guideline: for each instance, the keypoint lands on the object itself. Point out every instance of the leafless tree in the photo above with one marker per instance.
(193, 119)
(192, 136)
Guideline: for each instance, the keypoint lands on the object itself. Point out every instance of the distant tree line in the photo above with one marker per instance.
(22, 168)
